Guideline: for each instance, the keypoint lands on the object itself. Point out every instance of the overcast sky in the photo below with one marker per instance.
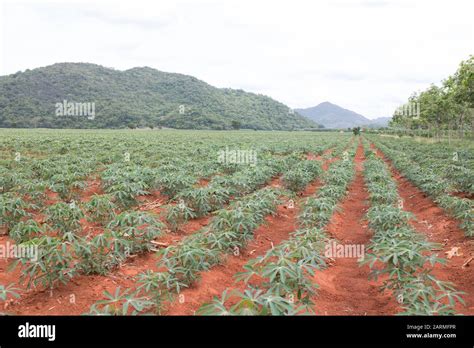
(364, 55)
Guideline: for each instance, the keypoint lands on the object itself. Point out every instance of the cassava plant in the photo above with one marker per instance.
(64, 217)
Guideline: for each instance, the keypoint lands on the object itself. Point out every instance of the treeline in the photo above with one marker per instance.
(445, 109)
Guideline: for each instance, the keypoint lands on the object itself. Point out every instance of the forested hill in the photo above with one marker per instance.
(137, 97)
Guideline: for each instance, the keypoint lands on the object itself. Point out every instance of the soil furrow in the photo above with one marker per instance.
(344, 287)
(221, 277)
(437, 226)
(82, 291)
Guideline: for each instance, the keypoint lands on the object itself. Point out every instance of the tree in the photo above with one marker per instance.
(236, 125)
(447, 107)
(460, 88)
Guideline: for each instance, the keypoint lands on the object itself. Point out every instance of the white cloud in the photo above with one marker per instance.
(365, 55)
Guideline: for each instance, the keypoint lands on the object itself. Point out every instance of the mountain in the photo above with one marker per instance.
(380, 122)
(333, 116)
(135, 97)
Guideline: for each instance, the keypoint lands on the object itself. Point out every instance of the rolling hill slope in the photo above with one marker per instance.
(139, 97)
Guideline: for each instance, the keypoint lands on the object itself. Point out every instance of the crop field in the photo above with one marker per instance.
(168, 222)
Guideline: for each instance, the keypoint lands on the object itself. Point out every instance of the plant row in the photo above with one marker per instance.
(285, 273)
(401, 254)
(435, 186)
(228, 233)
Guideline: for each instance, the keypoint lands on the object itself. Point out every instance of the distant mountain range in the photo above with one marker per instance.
(333, 116)
(55, 96)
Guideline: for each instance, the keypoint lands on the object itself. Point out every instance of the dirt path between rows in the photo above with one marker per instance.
(76, 297)
(276, 229)
(82, 291)
(438, 227)
(344, 288)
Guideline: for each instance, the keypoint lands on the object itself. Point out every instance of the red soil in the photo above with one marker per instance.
(326, 163)
(276, 182)
(83, 289)
(221, 277)
(463, 195)
(76, 297)
(203, 182)
(51, 198)
(312, 156)
(87, 289)
(93, 188)
(344, 288)
(438, 227)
